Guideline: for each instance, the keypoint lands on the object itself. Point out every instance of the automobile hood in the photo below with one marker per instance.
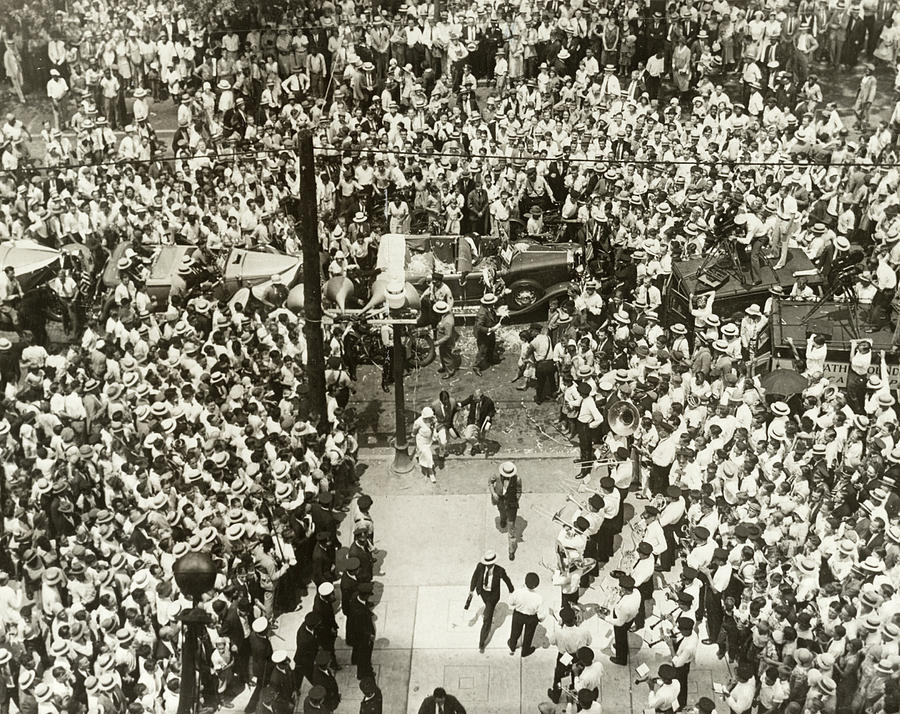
(26, 256)
(250, 266)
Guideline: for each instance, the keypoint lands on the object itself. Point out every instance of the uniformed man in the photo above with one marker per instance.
(371, 701)
(361, 549)
(587, 672)
(327, 629)
(610, 510)
(643, 579)
(623, 614)
(684, 651)
(323, 677)
(664, 691)
(282, 679)
(307, 649)
(316, 701)
(528, 609)
(569, 637)
(505, 488)
(361, 631)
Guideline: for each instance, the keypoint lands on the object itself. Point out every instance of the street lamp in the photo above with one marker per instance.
(396, 298)
(195, 574)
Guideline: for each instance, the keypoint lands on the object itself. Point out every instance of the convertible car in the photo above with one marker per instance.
(33, 263)
(531, 272)
(239, 269)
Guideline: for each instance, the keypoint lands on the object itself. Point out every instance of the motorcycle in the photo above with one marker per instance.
(418, 344)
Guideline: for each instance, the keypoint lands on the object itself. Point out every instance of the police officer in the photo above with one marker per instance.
(371, 701)
(361, 631)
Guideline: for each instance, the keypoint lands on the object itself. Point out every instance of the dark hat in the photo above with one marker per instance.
(532, 581)
(586, 697)
(352, 565)
(607, 482)
(567, 616)
(312, 619)
(318, 692)
(364, 501)
(685, 623)
(626, 582)
(582, 524)
(666, 671)
(706, 705)
(701, 533)
(367, 686)
(596, 501)
(685, 599)
(323, 658)
(689, 573)
(326, 498)
(673, 492)
(585, 655)
(365, 589)
(644, 548)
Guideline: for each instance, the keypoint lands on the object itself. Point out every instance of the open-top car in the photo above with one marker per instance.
(530, 273)
(238, 269)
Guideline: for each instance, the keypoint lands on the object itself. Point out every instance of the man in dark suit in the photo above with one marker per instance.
(486, 582)
(307, 649)
(260, 659)
(478, 420)
(441, 703)
(322, 676)
(371, 701)
(361, 549)
(327, 629)
(361, 631)
(485, 329)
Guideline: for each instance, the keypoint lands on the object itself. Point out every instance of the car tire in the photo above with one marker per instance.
(524, 295)
(421, 349)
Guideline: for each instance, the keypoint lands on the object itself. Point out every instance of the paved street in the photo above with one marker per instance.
(431, 538)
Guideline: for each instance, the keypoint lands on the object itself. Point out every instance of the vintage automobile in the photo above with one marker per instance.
(35, 265)
(530, 273)
(238, 269)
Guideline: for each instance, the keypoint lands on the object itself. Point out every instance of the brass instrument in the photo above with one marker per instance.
(623, 418)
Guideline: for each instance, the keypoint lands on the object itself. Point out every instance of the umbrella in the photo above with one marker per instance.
(783, 382)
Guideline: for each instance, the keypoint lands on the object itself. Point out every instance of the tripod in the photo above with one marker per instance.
(721, 258)
(842, 289)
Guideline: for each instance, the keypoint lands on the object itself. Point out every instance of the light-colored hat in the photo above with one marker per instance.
(488, 299)
(441, 307)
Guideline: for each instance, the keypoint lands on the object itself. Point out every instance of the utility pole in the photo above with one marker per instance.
(312, 282)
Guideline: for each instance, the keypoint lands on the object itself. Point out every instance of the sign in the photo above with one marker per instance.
(836, 372)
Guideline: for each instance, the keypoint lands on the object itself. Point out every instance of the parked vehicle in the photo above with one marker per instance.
(238, 269)
(526, 272)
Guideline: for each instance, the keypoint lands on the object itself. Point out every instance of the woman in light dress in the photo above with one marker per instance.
(423, 430)
(887, 43)
(681, 66)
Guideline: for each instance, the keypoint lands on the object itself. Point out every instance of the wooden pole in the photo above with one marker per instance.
(312, 280)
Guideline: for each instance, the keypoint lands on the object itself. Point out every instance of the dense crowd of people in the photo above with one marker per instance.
(648, 134)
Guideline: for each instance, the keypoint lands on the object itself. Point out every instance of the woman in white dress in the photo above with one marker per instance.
(423, 430)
